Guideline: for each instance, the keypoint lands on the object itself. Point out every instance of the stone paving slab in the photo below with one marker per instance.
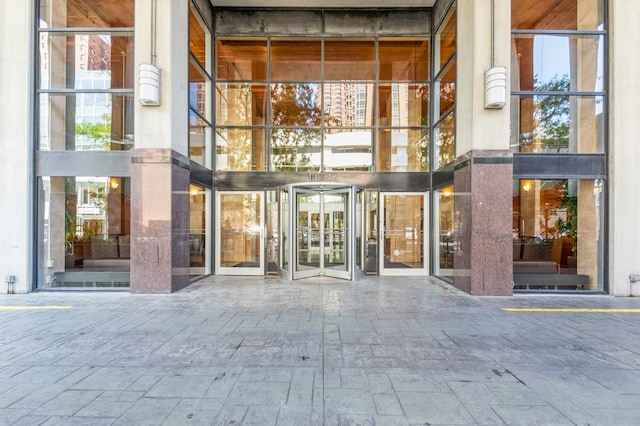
(263, 351)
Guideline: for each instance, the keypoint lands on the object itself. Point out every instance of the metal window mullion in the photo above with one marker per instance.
(85, 30)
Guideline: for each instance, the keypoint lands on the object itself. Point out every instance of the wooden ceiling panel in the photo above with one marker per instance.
(100, 13)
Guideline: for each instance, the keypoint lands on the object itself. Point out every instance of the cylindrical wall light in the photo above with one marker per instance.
(496, 88)
(149, 85)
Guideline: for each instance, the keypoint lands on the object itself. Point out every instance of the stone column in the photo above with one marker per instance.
(160, 164)
(16, 137)
(483, 177)
(624, 151)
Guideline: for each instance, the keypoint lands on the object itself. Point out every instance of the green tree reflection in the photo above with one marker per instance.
(295, 110)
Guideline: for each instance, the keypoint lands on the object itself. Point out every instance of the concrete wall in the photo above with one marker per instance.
(624, 132)
(478, 128)
(16, 26)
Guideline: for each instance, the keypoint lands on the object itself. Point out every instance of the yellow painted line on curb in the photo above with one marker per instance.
(598, 310)
(31, 308)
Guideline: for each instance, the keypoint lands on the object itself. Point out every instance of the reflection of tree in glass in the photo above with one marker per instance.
(422, 147)
(446, 140)
(296, 107)
(239, 145)
(99, 134)
(552, 112)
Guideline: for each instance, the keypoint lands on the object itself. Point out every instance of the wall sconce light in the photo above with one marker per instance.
(527, 187)
(527, 138)
(114, 182)
(447, 194)
(495, 88)
(149, 85)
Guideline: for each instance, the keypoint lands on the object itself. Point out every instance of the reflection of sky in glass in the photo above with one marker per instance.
(550, 56)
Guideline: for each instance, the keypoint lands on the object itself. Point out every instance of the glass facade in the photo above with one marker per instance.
(558, 234)
(558, 68)
(200, 108)
(322, 104)
(84, 231)
(444, 148)
(86, 76)
(379, 103)
(558, 108)
(85, 91)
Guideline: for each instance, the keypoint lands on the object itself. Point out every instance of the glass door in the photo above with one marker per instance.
(240, 233)
(402, 224)
(322, 241)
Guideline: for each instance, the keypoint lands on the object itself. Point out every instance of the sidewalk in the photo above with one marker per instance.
(262, 351)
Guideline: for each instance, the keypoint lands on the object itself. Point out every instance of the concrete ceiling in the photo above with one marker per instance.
(323, 4)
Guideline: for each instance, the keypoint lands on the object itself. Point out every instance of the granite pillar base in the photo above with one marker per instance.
(483, 194)
(159, 221)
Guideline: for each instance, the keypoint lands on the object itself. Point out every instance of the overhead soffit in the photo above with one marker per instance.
(323, 4)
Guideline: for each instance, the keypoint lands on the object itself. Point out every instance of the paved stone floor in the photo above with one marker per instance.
(382, 351)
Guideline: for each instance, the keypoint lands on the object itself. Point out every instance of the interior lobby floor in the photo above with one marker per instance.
(263, 351)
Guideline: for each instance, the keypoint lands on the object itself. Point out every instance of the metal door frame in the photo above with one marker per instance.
(225, 270)
(425, 237)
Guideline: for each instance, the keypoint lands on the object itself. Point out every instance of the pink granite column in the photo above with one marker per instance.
(159, 221)
(483, 210)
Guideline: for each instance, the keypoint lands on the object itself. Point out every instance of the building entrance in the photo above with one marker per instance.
(322, 233)
(324, 221)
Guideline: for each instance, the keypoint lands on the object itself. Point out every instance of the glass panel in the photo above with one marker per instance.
(86, 122)
(86, 61)
(557, 14)
(444, 136)
(286, 222)
(336, 231)
(199, 140)
(403, 150)
(240, 149)
(197, 230)
(559, 124)
(308, 232)
(84, 231)
(273, 232)
(241, 104)
(295, 105)
(241, 59)
(557, 231)
(359, 227)
(446, 232)
(403, 59)
(558, 63)
(348, 104)
(371, 254)
(403, 233)
(295, 150)
(199, 37)
(403, 104)
(240, 230)
(86, 13)
(445, 40)
(199, 86)
(446, 85)
(349, 60)
(348, 149)
(296, 60)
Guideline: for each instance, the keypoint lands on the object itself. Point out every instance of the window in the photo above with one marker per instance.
(66, 71)
(200, 127)
(558, 66)
(559, 110)
(444, 147)
(301, 105)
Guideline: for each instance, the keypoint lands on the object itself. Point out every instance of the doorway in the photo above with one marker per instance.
(240, 231)
(323, 222)
(322, 233)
